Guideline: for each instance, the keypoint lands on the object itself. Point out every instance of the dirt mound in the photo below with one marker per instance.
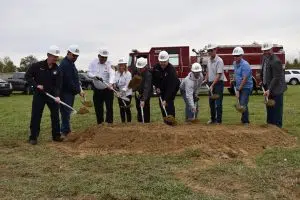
(220, 141)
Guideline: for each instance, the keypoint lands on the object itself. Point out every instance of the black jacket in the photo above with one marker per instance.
(40, 74)
(166, 80)
(275, 78)
(71, 83)
(145, 88)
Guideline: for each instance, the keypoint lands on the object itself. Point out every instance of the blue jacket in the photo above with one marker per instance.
(240, 70)
(70, 80)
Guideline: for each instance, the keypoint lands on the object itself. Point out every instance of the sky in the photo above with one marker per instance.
(30, 27)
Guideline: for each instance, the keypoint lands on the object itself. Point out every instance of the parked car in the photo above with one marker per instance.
(86, 82)
(292, 76)
(19, 83)
(5, 88)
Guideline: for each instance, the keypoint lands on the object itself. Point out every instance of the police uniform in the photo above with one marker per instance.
(41, 74)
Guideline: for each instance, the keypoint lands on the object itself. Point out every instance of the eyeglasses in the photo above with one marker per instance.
(210, 50)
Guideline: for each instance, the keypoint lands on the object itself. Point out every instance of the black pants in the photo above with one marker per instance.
(125, 111)
(38, 104)
(100, 97)
(170, 108)
(146, 110)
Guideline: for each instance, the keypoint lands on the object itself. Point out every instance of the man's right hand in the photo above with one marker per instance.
(142, 104)
(194, 110)
(40, 87)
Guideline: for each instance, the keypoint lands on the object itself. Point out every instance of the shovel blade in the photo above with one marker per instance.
(170, 120)
(83, 110)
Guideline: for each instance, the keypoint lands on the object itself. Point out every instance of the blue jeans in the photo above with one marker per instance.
(188, 110)
(66, 112)
(274, 114)
(216, 107)
(244, 99)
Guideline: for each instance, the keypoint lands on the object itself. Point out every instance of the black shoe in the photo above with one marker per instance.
(58, 139)
(33, 142)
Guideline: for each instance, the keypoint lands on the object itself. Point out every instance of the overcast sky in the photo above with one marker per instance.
(30, 27)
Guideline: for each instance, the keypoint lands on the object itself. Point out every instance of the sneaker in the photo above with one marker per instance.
(58, 139)
(211, 122)
(32, 142)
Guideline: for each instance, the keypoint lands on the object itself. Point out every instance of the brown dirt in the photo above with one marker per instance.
(220, 141)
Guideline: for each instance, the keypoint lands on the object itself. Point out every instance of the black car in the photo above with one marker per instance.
(86, 82)
(19, 83)
(5, 88)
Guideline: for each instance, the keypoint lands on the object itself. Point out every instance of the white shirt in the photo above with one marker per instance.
(122, 81)
(215, 66)
(103, 71)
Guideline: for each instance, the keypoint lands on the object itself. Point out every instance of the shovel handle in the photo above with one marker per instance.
(115, 91)
(142, 112)
(61, 102)
(164, 108)
(266, 98)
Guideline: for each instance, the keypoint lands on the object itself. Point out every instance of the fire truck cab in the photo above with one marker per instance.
(180, 58)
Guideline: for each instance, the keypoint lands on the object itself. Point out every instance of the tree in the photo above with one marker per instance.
(8, 65)
(26, 63)
(1, 66)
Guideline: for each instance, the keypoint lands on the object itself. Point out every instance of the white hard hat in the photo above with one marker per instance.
(163, 56)
(196, 67)
(237, 51)
(74, 49)
(54, 50)
(103, 53)
(141, 62)
(266, 46)
(211, 46)
(122, 61)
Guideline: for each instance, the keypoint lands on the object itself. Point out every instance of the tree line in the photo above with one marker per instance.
(7, 65)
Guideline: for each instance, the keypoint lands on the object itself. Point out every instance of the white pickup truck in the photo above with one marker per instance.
(292, 76)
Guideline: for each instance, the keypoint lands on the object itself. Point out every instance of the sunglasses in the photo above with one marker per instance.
(210, 50)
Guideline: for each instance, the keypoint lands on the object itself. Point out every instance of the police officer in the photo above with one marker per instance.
(70, 86)
(215, 79)
(44, 76)
(274, 84)
(166, 83)
(101, 68)
(144, 91)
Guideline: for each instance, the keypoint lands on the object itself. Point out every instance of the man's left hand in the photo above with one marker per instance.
(57, 99)
(164, 103)
(267, 93)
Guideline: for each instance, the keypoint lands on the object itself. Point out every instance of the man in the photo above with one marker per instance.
(144, 91)
(44, 76)
(243, 81)
(189, 89)
(274, 84)
(70, 86)
(166, 83)
(101, 72)
(215, 78)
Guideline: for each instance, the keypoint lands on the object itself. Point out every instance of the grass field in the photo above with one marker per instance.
(40, 172)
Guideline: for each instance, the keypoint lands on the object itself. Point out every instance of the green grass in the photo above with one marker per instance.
(41, 172)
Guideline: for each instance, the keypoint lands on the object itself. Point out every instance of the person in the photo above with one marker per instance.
(144, 91)
(166, 82)
(189, 89)
(215, 79)
(122, 79)
(273, 80)
(103, 76)
(44, 76)
(70, 87)
(243, 81)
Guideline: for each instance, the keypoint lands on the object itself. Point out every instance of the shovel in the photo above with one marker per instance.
(142, 112)
(268, 102)
(64, 104)
(86, 103)
(194, 120)
(115, 91)
(169, 119)
(211, 94)
(238, 106)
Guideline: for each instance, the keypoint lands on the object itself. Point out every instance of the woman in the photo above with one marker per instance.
(122, 79)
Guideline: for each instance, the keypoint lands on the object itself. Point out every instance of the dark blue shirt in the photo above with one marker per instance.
(241, 70)
(70, 81)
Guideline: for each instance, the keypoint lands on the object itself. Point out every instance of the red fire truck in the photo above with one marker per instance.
(180, 58)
